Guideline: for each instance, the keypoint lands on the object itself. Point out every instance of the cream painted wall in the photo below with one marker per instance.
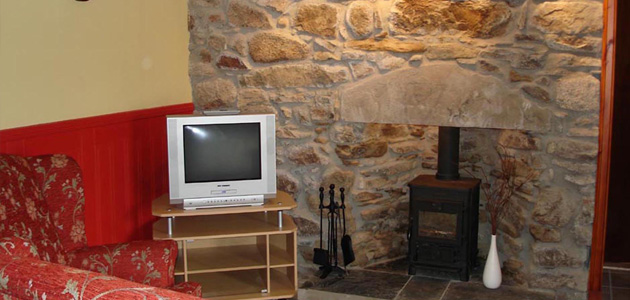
(63, 59)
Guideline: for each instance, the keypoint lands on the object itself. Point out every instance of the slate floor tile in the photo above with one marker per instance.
(476, 291)
(320, 295)
(605, 278)
(364, 283)
(606, 294)
(399, 266)
(423, 288)
(620, 278)
(620, 293)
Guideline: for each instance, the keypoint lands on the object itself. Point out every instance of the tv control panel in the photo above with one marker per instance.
(215, 202)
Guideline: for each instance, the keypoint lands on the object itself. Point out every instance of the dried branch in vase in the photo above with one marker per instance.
(500, 191)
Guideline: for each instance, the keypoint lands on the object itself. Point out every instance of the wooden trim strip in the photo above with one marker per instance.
(605, 142)
(20, 133)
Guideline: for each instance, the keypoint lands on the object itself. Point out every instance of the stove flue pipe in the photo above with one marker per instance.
(448, 153)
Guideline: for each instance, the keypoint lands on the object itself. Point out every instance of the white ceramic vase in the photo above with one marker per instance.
(492, 270)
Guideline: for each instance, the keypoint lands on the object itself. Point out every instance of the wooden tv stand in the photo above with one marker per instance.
(245, 252)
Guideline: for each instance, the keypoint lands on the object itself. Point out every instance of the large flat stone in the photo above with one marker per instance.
(441, 94)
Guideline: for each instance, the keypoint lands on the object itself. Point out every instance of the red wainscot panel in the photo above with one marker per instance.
(124, 161)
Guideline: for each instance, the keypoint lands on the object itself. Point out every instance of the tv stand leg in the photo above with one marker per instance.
(170, 225)
(280, 218)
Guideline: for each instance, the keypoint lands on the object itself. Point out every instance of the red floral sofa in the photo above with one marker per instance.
(43, 246)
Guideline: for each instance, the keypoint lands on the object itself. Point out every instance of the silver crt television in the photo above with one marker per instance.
(219, 161)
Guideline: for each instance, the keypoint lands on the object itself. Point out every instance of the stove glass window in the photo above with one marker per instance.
(437, 225)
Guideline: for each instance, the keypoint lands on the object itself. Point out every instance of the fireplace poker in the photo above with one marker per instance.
(320, 256)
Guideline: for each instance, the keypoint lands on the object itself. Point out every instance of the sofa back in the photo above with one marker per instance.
(24, 212)
(60, 181)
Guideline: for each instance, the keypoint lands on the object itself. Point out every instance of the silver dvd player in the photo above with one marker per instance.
(215, 202)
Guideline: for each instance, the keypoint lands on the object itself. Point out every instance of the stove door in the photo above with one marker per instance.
(440, 220)
(437, 225)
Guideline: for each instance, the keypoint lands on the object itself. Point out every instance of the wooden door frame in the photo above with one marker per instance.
(605, 140)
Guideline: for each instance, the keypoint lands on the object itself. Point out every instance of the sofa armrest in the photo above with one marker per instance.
(28, 278)
(148, 262)
(188, 287)
(15, 246)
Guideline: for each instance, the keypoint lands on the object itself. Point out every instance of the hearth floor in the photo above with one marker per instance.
(390, 281)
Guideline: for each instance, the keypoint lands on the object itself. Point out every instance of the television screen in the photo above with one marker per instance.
(222, 152)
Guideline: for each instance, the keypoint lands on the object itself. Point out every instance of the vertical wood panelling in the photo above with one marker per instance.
(124, 161)
(605, 143)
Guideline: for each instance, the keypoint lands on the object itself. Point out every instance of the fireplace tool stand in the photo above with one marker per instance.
(329, 258)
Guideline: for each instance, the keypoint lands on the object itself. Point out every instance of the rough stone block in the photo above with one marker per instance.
(480, 18)
(573, 149)
(360, 18)
(556, 256)
(215, 93)
(300, 75)
(554, 207)
(544, 234)
(569, 17)
(579, 91)
(244, 15)
(268, 47)
(319, 19)
(362, 150)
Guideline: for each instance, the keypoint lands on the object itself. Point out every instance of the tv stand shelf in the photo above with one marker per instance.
(234, 252)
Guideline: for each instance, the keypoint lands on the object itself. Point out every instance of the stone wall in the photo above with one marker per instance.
(328, 69)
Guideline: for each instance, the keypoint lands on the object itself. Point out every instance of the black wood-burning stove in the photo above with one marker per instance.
(444, 216)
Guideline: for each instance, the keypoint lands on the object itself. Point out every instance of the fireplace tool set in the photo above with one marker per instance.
(336, 215)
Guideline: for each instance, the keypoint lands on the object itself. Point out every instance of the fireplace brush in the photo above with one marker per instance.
(346, 240)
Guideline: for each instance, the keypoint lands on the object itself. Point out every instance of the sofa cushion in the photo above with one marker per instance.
(23, 210)
(59, 178)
